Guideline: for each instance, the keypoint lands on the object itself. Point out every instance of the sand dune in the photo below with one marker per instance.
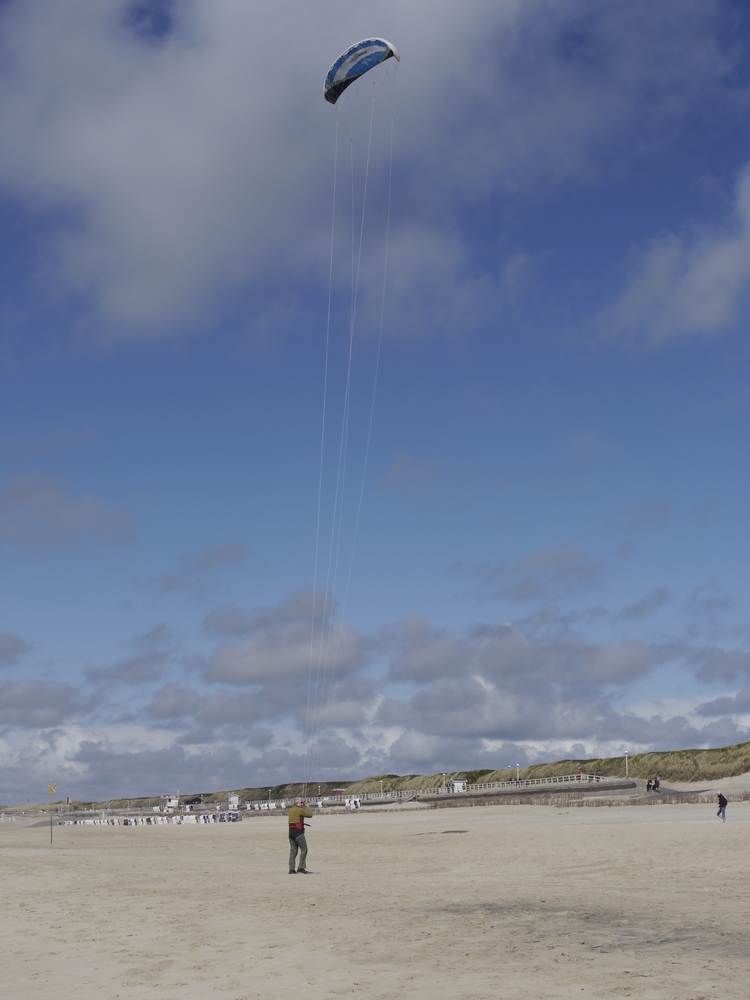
(484, 902)
(737, 783)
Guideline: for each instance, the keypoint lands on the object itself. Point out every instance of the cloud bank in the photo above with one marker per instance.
(410, 696)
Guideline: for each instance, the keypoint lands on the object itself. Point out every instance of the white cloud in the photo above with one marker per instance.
(279, 648)
(281, 655)
(152, 654)
(33, 703)
(12, 648)
(647, 605)
(543, 574)
(695, 283)
(37, 512)
(191, 575)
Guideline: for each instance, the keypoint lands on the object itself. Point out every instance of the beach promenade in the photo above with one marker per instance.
(498, 901)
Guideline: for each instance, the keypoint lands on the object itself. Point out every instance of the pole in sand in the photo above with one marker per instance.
(626, 763)
(50, 793)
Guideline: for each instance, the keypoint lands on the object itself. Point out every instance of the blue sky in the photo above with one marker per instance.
(551, 550)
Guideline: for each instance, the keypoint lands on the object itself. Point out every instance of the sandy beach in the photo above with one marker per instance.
(498, 901)
(737, 783)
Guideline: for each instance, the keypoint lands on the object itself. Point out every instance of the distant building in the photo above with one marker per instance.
(338, 793)
(169, 803)
(234, 801)
(458, 784)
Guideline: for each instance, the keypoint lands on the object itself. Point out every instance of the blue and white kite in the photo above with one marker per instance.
(354, 63)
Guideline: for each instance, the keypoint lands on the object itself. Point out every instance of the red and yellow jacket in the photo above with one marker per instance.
(297, 816)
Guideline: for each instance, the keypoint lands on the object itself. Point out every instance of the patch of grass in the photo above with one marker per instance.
(670, 765)
(474, 776)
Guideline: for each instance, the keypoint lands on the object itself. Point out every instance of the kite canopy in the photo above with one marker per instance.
(354, 63)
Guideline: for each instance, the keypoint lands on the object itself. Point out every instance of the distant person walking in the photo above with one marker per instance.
(297, 843)
(722, 808)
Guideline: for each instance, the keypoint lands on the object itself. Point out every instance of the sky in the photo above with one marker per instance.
(524, 536)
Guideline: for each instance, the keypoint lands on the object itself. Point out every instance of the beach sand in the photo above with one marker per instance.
(738, 783)
(499, 901)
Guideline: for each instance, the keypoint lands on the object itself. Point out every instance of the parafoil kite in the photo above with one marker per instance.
(354, 63)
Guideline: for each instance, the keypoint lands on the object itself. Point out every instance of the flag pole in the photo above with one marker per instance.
(50, 793)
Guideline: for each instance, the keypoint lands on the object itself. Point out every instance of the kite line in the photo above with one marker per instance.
(351, 65)
(322, 441)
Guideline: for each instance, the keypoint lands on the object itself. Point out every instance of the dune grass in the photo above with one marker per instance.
(670, 765)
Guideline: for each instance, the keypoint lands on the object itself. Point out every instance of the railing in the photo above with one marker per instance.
(403, 795)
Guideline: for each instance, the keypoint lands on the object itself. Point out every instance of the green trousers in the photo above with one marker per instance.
(300, 844)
